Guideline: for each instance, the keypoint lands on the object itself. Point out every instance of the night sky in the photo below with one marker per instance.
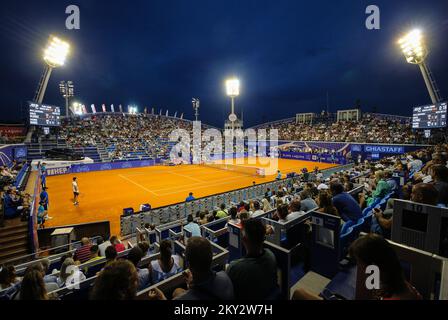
(287, 54)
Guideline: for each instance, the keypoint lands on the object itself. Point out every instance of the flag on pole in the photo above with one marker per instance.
(93, 108)
(121, 108)
(175, 114)
(146, 110)
(112, 108)
(104, 107)
(160, 113)
(182, 116)
(84, 110)
(152, 111)
(166, 115)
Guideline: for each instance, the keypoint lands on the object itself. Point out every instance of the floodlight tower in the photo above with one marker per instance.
(415, 51)
(68, 91)
(233, 91)
(54, 56)
(196, 104)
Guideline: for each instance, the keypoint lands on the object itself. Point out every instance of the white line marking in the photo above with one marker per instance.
(138, 184)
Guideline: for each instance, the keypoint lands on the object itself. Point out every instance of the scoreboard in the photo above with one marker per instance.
(44, 115)
(430, 116)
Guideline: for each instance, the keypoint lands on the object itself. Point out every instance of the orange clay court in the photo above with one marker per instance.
(104, 194)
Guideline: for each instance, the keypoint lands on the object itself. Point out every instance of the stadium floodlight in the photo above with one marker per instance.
(233, 87)
(67, 89)
(77, 108)
(415, 51)
(54, 56)
(233, 90)
(56, 52)
(196, 104)
(133, 110)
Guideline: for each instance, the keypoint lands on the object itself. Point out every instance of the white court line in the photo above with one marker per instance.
(188, 177)
(138, 184)
(200, 187)
(194, 184)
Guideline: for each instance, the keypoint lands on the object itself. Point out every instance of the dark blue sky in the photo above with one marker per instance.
(161, 53)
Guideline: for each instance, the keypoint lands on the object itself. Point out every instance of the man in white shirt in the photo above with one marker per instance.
(294, 210)
(75, 191)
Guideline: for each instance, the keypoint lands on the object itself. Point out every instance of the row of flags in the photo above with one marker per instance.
(81, 109)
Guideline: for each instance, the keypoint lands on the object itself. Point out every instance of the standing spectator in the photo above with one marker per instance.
(190, 197)
(440, 178)
(255, 275)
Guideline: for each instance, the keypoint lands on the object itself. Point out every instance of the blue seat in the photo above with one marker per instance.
(357, 227)
(346, 226)
(345, 239)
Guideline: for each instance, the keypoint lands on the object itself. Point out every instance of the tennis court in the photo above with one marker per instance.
(104, 194)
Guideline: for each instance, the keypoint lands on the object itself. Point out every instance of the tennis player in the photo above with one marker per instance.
(75, 191)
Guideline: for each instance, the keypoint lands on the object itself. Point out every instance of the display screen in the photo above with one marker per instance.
(430, 116)
(44, 115)
(416, 221)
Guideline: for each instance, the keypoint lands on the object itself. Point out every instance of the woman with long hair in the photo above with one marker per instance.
(326, 204)
(33, 285)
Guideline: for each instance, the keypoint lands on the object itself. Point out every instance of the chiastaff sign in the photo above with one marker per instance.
(384, 149)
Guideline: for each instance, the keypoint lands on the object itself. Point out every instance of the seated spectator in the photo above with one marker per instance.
(346, 205)
(203, 217)
(234, 216)
(382, 188)
(102, 245)
(33, 286)
(307, 203)
(266, 205)
(393, 186)
(117, 281)
(257, 209)
(326, 204)
(282, 213)
(145, 247)
(117, 244)
(167, 265)
(374, 250)
(295, 210)
(8, 277)
(439, 174)
(202, 282)
(82, 254)
(135, 255)
(254, 276)
(110, 254)
(46, 268)
(192, 227)
(222, 213)
(94, 253)
(70, 275)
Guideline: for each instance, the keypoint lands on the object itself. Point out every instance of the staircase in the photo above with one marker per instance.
(104, 155)
(13, 240)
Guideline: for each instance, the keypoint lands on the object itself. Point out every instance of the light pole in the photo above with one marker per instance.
(415, 51)
(233, 91)
(196, 104)
(68, 91)
(54, 56)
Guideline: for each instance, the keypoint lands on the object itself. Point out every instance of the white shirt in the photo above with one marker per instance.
(75, 186)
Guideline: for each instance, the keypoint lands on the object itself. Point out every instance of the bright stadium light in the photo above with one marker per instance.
(56, 52)
(233, 90)
(415, 51)
(233, 87)
(133, 110)
(54, 56)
